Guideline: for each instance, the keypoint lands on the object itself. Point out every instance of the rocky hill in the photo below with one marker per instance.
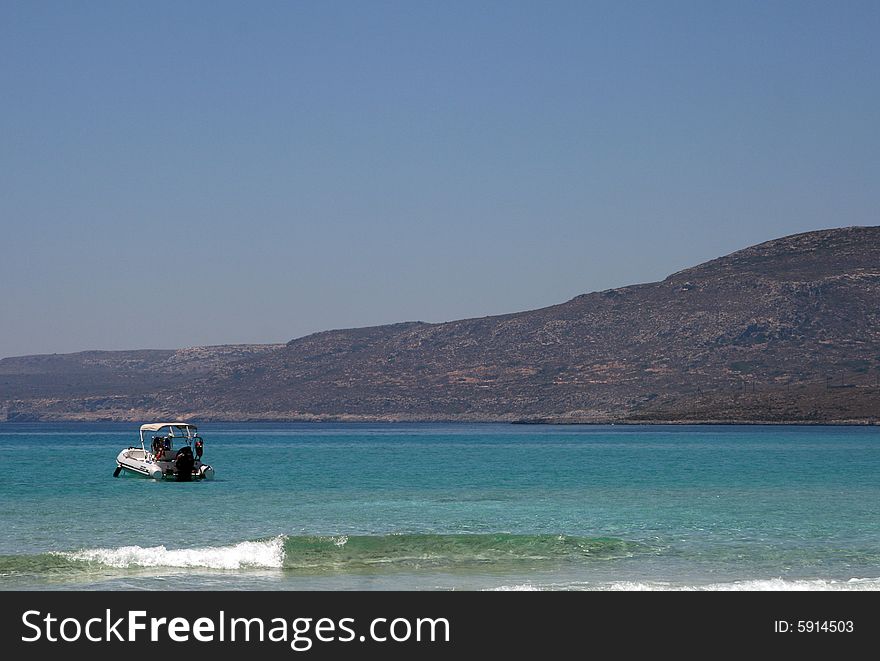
(785, 331)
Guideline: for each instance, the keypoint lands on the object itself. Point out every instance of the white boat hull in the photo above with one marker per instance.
(138, 462)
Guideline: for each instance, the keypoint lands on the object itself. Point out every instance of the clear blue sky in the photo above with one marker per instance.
(255, 171)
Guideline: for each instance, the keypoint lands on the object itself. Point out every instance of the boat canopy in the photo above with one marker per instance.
(156, 426)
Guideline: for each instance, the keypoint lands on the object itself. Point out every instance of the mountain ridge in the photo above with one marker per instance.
(783, 331)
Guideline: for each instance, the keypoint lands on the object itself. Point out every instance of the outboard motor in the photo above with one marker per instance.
(183, 463)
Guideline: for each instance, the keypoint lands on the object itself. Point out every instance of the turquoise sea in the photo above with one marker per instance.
(447, 506)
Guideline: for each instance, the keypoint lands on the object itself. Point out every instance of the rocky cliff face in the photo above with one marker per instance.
(783, 331)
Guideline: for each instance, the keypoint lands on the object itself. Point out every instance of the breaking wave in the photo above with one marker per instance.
(312, 554)
(259, 554)
(336, 553)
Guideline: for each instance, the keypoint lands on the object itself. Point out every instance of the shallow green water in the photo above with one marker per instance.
(353, 506)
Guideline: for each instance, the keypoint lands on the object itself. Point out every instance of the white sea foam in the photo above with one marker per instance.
(522, 587)
(261, 554)
(762, 585)
(755, 585)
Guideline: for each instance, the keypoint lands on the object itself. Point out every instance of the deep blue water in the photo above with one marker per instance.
(338, 506)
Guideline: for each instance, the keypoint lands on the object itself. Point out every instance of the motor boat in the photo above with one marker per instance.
(175, 454)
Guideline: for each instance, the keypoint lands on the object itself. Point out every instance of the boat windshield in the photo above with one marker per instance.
(163, 435)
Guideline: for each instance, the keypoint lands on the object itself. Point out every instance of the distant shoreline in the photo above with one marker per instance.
(780, 333)
(352, 419)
